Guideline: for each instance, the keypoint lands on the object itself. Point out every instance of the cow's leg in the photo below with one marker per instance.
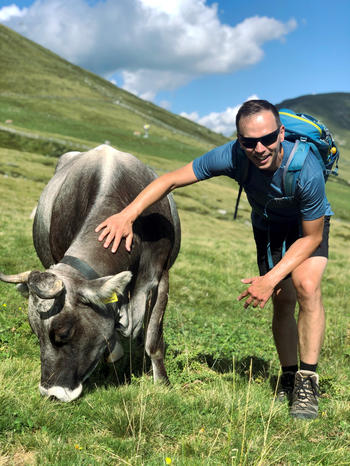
(154, 344)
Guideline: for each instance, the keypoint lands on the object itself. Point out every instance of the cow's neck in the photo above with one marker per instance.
(88, 272)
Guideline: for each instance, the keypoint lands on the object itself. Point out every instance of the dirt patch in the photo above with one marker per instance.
(20, 458)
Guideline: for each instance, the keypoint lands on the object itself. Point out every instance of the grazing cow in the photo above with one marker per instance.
(89, 297)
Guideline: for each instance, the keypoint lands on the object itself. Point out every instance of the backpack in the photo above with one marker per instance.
(307, 133)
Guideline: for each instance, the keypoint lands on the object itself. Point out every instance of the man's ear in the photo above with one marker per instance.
(282, 133)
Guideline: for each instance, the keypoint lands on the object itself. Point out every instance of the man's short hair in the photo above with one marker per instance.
(250, 107)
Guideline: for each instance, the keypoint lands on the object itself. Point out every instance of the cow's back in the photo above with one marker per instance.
(85, 190)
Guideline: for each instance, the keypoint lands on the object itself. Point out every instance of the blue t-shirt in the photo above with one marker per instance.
(262, 186)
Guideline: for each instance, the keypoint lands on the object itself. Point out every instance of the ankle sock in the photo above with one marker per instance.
(308, 367)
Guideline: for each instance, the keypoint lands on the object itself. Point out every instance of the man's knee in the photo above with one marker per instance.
(284, 297)
(307, 289)
(283, 302)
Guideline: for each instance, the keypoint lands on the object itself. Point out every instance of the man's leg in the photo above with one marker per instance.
(284, 327)
(285, 333)
(311, 324)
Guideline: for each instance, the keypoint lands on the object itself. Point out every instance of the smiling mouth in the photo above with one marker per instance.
(261, 159)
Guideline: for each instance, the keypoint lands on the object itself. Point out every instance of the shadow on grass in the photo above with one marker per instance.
(134, 363)
(260, 367)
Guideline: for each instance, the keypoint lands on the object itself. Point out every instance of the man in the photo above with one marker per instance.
(299, 227)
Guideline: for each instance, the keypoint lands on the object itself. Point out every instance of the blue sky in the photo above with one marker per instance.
(198, 58)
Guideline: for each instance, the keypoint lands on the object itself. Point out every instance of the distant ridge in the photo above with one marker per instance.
(332, 108)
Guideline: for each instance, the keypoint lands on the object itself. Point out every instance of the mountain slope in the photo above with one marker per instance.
(333, 108)
(41, 92)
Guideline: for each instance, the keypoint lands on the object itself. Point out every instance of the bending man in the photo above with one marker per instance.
(301, 228)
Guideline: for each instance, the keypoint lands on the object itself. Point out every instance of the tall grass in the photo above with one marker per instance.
(220, 357)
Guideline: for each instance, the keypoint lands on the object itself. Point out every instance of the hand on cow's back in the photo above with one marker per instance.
(114, 229)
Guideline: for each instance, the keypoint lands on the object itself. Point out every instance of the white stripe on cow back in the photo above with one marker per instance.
(110, 163)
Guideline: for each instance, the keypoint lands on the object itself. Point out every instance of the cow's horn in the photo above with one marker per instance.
(46, 285)
(18, 278)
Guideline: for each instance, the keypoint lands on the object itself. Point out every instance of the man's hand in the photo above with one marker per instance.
(259, 292)
(115, 228)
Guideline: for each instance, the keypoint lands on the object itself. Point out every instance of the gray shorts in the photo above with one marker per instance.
(289, 235)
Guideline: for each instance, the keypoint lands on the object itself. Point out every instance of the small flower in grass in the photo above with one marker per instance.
(201, 430)
(78, 447)
(168, 460)
(4, 304)
(19, 308)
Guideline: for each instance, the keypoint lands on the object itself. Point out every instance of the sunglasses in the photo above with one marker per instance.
(267, 140)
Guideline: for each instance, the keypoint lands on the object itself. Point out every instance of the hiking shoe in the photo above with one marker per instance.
(285, 387)
(305, 394)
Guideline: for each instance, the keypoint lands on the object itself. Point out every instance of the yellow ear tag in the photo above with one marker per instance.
(112, 299)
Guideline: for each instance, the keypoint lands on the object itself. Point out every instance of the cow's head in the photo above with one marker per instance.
(74, 325)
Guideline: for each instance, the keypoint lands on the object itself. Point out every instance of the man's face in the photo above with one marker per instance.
(265, 157)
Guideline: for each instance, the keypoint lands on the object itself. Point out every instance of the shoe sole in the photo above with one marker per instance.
(302, 415)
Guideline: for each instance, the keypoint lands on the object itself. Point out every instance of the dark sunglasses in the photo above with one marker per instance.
(267, 140)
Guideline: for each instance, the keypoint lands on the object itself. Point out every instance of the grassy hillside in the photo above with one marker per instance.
(51, 98)
(220, 357)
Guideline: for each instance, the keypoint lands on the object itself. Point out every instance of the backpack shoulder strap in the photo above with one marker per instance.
(243, 176)
(293, 166)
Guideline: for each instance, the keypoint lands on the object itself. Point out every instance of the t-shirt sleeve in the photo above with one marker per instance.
(219, 161)
(311, 187)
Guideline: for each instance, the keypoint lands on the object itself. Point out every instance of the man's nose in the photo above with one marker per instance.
(259, 147)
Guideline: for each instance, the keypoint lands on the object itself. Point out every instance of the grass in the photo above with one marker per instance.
(220, 358)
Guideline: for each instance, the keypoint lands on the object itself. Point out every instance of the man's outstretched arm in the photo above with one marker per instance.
(119, 225)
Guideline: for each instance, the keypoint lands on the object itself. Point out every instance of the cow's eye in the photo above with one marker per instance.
(61, 336)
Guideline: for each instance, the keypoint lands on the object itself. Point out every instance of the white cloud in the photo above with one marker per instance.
(165, 104)
(223, 122)
(146, 83)
(155, 45)
(11, 11)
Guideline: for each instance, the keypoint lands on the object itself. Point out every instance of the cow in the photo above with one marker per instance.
(88, 299)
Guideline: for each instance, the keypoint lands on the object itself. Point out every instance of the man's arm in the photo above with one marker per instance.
(261, 288)
(119, 226)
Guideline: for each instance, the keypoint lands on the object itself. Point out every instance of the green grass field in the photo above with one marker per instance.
(220, 358)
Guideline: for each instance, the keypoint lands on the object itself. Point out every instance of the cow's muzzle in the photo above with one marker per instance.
(61, 393)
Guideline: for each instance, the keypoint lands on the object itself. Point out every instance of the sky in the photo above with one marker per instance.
(198, 58)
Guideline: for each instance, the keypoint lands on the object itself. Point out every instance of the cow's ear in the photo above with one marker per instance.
(23, 289)
(101, 290)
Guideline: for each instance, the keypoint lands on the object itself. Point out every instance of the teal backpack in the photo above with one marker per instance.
(306, 132)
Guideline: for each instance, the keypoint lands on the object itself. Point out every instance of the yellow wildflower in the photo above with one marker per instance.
(78, 447)
(168, 460)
